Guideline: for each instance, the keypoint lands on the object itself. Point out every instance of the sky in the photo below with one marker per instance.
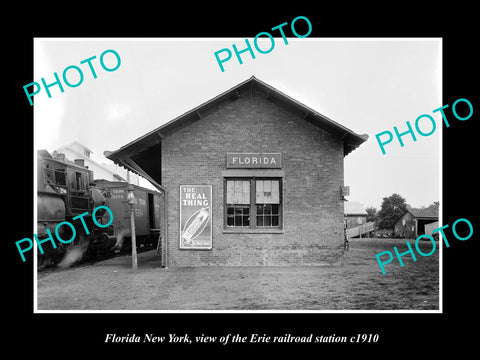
(367, 85)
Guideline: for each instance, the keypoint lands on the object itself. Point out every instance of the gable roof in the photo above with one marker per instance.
(352, 140)
(426, 213)
(124, 154)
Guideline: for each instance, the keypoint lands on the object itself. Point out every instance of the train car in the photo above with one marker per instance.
(147, 209)
(64, 190)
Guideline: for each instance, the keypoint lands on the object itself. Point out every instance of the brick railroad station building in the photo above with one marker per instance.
(251, 177)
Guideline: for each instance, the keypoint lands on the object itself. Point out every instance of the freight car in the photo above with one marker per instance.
(147, 212)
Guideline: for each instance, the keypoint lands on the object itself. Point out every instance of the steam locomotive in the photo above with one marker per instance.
(67, 189)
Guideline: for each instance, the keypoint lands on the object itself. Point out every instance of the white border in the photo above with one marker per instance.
(439, 311)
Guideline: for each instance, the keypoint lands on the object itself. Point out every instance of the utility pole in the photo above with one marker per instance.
(131, 203)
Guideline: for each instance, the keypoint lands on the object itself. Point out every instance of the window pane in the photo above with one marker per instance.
(246, 187)
(238, 215)
(237, 197)
(267, 192)
(267, 221)
(274, 220)
(238, 191)
(259, 209)
(268, 215)
(259, 191)
(238, 185)
(259, 220)
(60, 178)
(275, 192)
(230, 191)
(267, 185)
(246, 192)
(275, 209)
(238, 220)
(259, 186)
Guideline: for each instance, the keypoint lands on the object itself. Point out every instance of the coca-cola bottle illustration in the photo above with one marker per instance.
(195, 225)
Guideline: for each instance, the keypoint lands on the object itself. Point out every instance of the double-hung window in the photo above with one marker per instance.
(238, 203)
(253, 203)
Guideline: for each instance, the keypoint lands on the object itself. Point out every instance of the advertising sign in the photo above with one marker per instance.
(195, 216)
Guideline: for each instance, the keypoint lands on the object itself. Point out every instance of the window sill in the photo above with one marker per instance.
(253, 231)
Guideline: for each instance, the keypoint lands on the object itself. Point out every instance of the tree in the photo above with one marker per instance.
(392, 208)
(371, 214)
(434, 204)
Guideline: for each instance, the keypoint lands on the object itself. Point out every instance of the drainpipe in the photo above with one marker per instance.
(166, 227)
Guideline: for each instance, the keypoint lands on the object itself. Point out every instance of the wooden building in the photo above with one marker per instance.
(355, 214)
(411, 223)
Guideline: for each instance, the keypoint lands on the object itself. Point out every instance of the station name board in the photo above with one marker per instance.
(254, 160)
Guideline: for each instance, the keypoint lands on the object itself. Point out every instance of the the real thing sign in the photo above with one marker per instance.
(195, 216)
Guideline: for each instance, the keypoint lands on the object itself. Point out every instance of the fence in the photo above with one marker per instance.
(358, 231)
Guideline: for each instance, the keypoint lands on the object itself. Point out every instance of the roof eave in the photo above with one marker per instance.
(351, 139)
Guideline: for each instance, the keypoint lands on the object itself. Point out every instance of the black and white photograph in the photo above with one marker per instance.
(277, 181)
(228, 180)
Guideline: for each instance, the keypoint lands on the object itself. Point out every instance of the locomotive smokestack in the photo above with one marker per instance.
(60, 156)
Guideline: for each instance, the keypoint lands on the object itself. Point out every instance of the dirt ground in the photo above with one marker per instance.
(357, 283)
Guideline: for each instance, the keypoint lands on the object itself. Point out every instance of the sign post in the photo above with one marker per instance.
(131, 203)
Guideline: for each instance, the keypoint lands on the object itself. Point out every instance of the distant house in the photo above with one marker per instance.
(355, 214)
(80, 154)
(413, 222)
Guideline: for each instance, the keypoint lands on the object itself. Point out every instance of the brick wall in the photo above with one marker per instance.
(313, 167)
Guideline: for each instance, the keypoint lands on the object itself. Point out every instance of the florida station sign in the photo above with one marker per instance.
(254, 160)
